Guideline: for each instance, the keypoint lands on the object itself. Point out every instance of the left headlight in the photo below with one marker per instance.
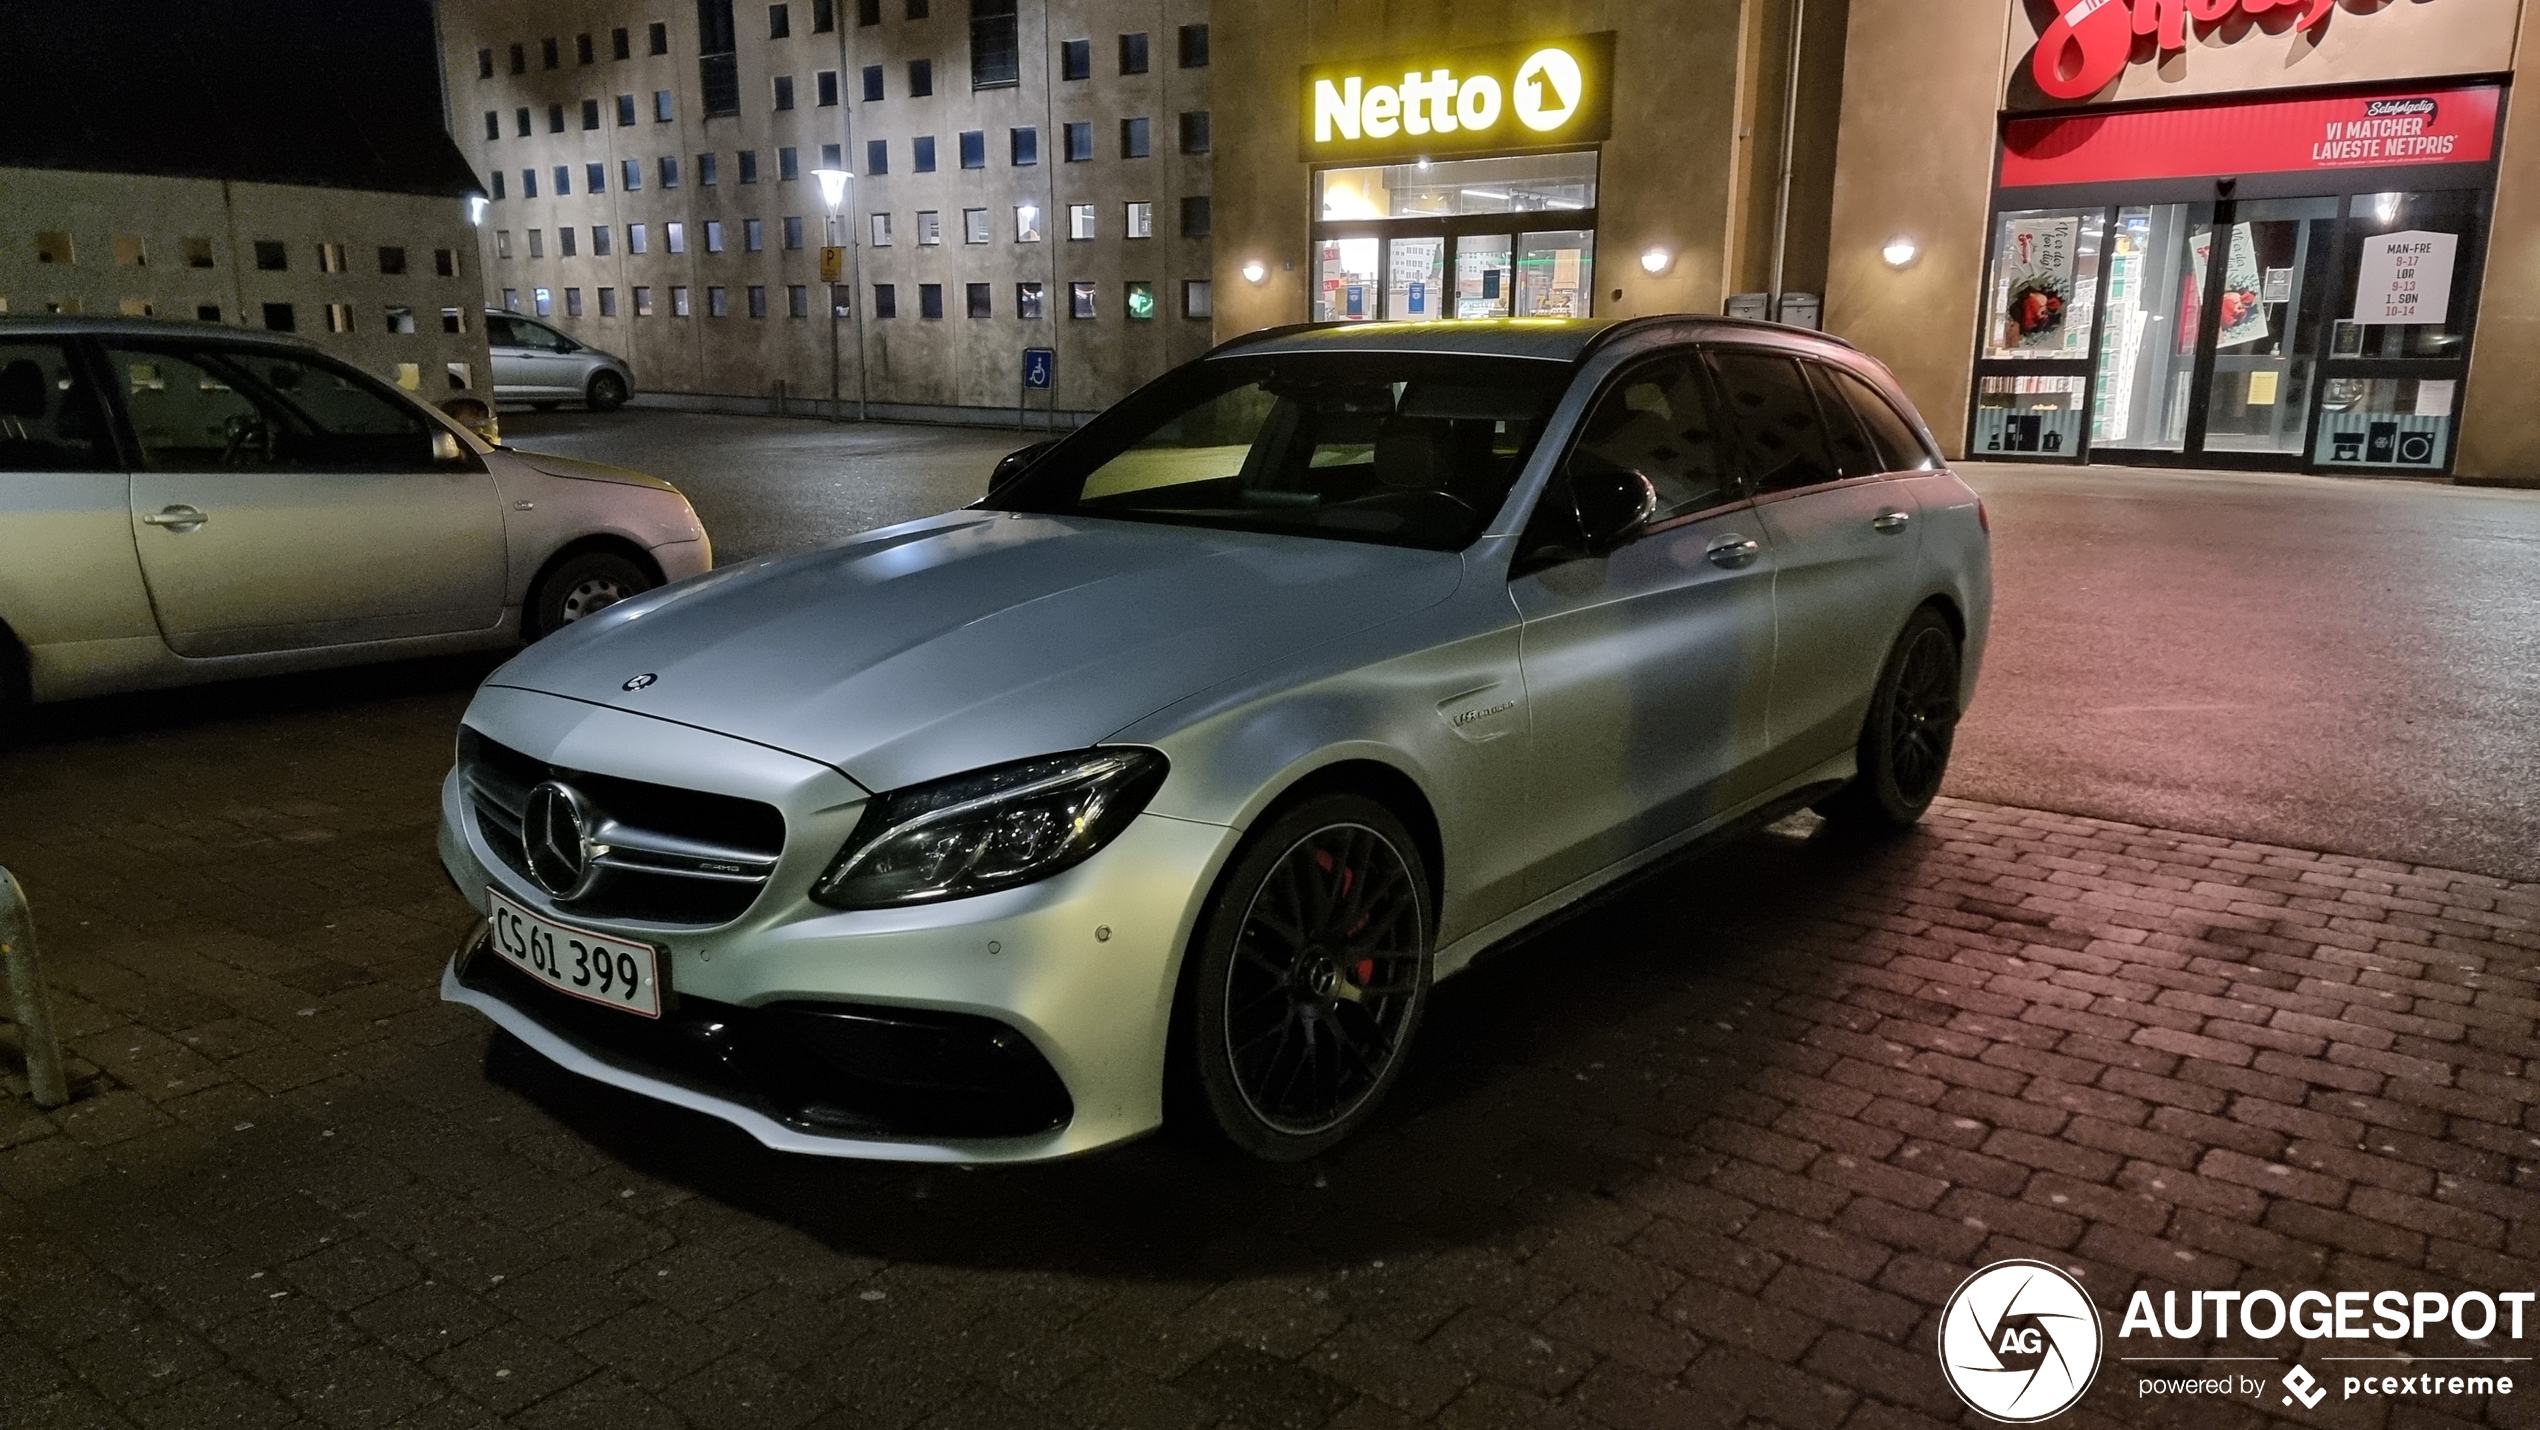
(990, 829)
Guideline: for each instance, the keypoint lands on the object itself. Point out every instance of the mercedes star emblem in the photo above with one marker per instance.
(639, 682)
(555, 831)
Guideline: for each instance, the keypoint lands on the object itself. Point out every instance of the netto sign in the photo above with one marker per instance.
(1536, 95)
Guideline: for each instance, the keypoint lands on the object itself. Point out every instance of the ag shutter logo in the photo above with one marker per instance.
(2020, 1341)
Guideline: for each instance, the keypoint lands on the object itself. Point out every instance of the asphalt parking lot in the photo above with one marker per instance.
(1712, 1155)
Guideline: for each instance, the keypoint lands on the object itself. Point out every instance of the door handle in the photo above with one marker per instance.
(1733, 551)
(175, 518)
(1890, 522)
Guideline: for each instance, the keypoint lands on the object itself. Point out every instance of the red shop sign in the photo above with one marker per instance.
(2088, 43)
(2261, 136)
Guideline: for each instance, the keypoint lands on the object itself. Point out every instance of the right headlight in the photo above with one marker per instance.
(989, 829)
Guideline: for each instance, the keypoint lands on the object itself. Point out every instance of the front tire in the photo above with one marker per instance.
(606, 393)
(581, 586)
(1906, 738)
(1311, 971)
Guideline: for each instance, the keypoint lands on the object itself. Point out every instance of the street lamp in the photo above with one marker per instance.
(833, 191)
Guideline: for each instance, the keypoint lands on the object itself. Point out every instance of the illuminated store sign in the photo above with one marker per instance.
(1506, 97)
(2090, 42)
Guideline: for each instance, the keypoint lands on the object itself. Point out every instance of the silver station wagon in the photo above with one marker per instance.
(1169, 777)
(183, 502)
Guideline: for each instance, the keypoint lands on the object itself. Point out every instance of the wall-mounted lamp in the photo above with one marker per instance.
(1255, 271)
(833, 185)
(1656, 261)
(476, 209)
(1900, 251)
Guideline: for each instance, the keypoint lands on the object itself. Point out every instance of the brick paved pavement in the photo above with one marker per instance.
(1713, 1155)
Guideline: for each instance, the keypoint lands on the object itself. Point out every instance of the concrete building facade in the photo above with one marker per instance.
(1019, 176)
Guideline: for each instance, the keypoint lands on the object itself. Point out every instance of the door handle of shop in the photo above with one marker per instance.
(1890, 522)
(176, 518)
(1733, 551)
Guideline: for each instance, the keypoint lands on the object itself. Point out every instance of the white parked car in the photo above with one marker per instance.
(181, 503)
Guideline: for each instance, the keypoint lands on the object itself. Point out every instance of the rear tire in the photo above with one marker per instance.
(1906, 738)
(606, 393)
(1309, 974)
(580, 586)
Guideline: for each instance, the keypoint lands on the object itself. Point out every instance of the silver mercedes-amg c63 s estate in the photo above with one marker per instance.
(1175, 771)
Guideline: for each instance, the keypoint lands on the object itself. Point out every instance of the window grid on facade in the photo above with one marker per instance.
(1076, 59)
(1195, 132)
(825, 87)
(981, 303)
(1027, 301)
(1133, 53)
(1080, 221)
(1196, 218)
(921, 154)
(1081, 300)
(930, 302)
(1194, 43)
(930, 228)
(758, 300)
(783, 88)
(1138, 219)
(1136, 138)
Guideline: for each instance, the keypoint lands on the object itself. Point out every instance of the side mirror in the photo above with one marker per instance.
(1612, 503)
(1014, 464)
(445, 447)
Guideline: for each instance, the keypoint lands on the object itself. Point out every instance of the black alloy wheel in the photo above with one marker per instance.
(1313, 972)
(581, 586)
(1912, 722)
(607, 392)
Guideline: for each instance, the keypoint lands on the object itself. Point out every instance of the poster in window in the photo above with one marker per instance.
(2244, 316)
(2406, 277)
(2034, 277)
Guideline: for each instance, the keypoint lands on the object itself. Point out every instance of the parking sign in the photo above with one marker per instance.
(1040, 368)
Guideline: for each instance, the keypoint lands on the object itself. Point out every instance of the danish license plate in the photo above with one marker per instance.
(618, 972)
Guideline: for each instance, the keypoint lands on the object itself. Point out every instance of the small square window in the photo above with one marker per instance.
(868, 12)
(195, 252)
(563, 177)
(1080, 221)
(832, 157)
(717, 304)
(565, 241)
(582, 52)
(618, 47)
(873, 84)
(921, 154)
(625, 110)
(674, 237)
(330, 258)
(339, 318)
(1139, 220)
(841, 301)
(392, 259)
(502, 243)
(140, 308)
(445, 263)
(714, 235)
(1027, 146)
(573, 302)
(1195, 216)
(636, 238)
(825, 84)
(670, 171)
(548, 54)
(793, 231)
(1136, 138)
(454, 320)
(1195, 298)
(930, 228)
(1133, 54)
(749, 166)
(600, 234)
(679, 300)
(881, 230)
(1027, 301)
(498, 183)
(753, 236)
(590, 114)
(797, 300)
(207, 312)
(608, 296)
(784, 90)
(921, 78)
(537, 243)
(1194, 47)
(657, 36)
(54, 246)
(919, 9)
(520, 121)
(555, 119)
(511, 300)
(779, 22)
(788, 168)
(758, 300)
(1076, 59)
(1080, 301)
(974, 149)
(1027, 223)
(462, 375)
(493, 124)
(707, 166)
(974, 225)
(930, 301)
(529, 183)
(272, 255)
(1195, 132)
(886, 300)
(982, 305)
(664, 107)
(595, 178)
(877, 156)
(824, 16)
(1141, 299)
(630, 175)
(410, 376)
(278, 318)
(520, 59)
(1078, 138)
(485, 64)
(541, 301)
(643, 300)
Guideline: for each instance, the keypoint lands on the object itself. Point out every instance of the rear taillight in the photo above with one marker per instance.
(1984, 518)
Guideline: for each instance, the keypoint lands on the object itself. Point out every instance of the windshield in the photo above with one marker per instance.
(1405, 449)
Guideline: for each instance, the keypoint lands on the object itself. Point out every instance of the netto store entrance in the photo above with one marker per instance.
(2282, 282)
(1513, 236)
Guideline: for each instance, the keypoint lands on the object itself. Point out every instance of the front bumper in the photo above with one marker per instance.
(1078, 971)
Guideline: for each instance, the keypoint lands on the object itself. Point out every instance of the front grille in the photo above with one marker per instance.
(674, 856)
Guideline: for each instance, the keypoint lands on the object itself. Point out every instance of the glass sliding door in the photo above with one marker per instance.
(1348, 287)
(1482, 274)
(1556, 273)
(2267, 337)
(1415, 279)
(2146, 366)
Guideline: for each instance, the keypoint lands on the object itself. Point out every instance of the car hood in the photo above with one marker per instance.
(577, 470)
(924, 650)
